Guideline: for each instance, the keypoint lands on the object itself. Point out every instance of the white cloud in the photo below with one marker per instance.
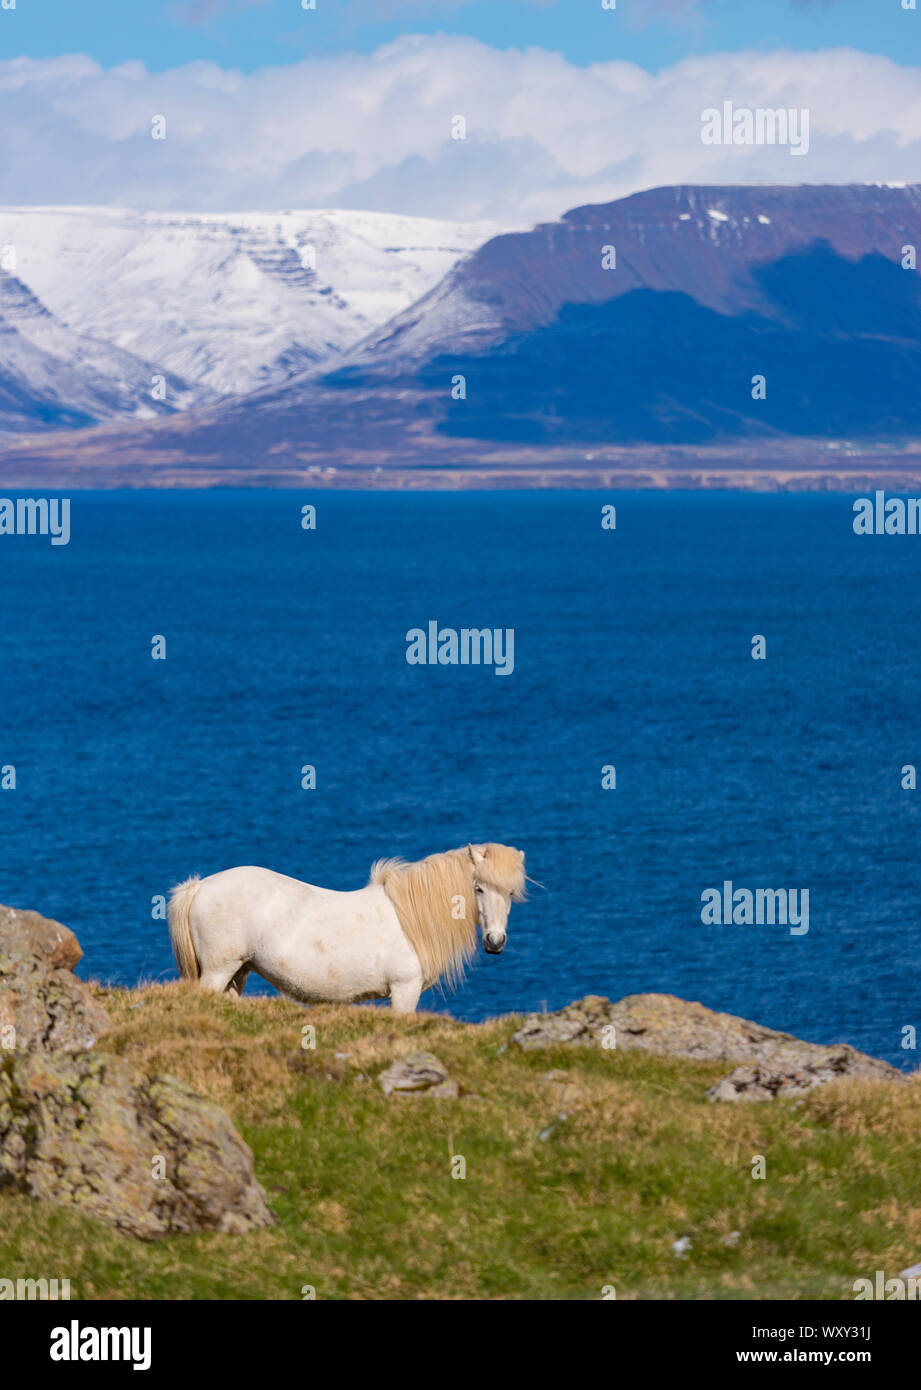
(374, 130)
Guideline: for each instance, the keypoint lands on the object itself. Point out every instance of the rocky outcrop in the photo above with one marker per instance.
(769, 1063)
(87, 1131)
(420, 1073)
(39, 937)
(43, 1006)
(791, 1068)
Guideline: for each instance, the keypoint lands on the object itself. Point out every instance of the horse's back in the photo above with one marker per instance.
(252, 889)
(257, 895)
(313, 943)
(244, 874)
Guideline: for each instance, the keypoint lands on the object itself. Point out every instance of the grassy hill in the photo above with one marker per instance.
(583, 1168)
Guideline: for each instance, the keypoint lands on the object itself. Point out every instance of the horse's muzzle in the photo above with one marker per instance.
(493, 950)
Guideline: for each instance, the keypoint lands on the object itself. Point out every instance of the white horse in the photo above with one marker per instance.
(412, 925)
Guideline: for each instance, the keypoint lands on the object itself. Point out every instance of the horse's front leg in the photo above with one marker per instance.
(405, 996)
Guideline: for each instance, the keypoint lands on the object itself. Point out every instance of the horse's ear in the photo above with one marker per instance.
(476, 854)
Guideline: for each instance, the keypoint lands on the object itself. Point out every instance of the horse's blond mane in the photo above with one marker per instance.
(426, 897)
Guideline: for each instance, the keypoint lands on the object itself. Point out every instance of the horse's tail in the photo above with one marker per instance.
(180, 933)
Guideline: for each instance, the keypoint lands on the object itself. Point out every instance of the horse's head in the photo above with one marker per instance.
(498, 881)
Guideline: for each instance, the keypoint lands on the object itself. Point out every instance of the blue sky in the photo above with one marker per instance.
(249, 34)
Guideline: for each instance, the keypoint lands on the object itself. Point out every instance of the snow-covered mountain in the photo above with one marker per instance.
(223, 304)
(650, 322)
(52, 377)
(564, 348)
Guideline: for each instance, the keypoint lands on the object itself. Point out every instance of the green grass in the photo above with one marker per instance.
(367, 1206)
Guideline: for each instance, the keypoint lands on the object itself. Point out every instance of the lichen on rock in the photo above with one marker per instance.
(43, 1006)
(769, 1062)
(146, 1154)
(86, 1130)
(420, 1073)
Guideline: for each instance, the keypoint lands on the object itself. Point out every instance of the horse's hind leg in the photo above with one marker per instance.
(238, 983)
(222, 979)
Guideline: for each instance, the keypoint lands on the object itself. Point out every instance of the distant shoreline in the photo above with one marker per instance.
(96, 459)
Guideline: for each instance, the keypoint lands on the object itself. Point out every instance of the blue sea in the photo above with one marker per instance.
(632, 649)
